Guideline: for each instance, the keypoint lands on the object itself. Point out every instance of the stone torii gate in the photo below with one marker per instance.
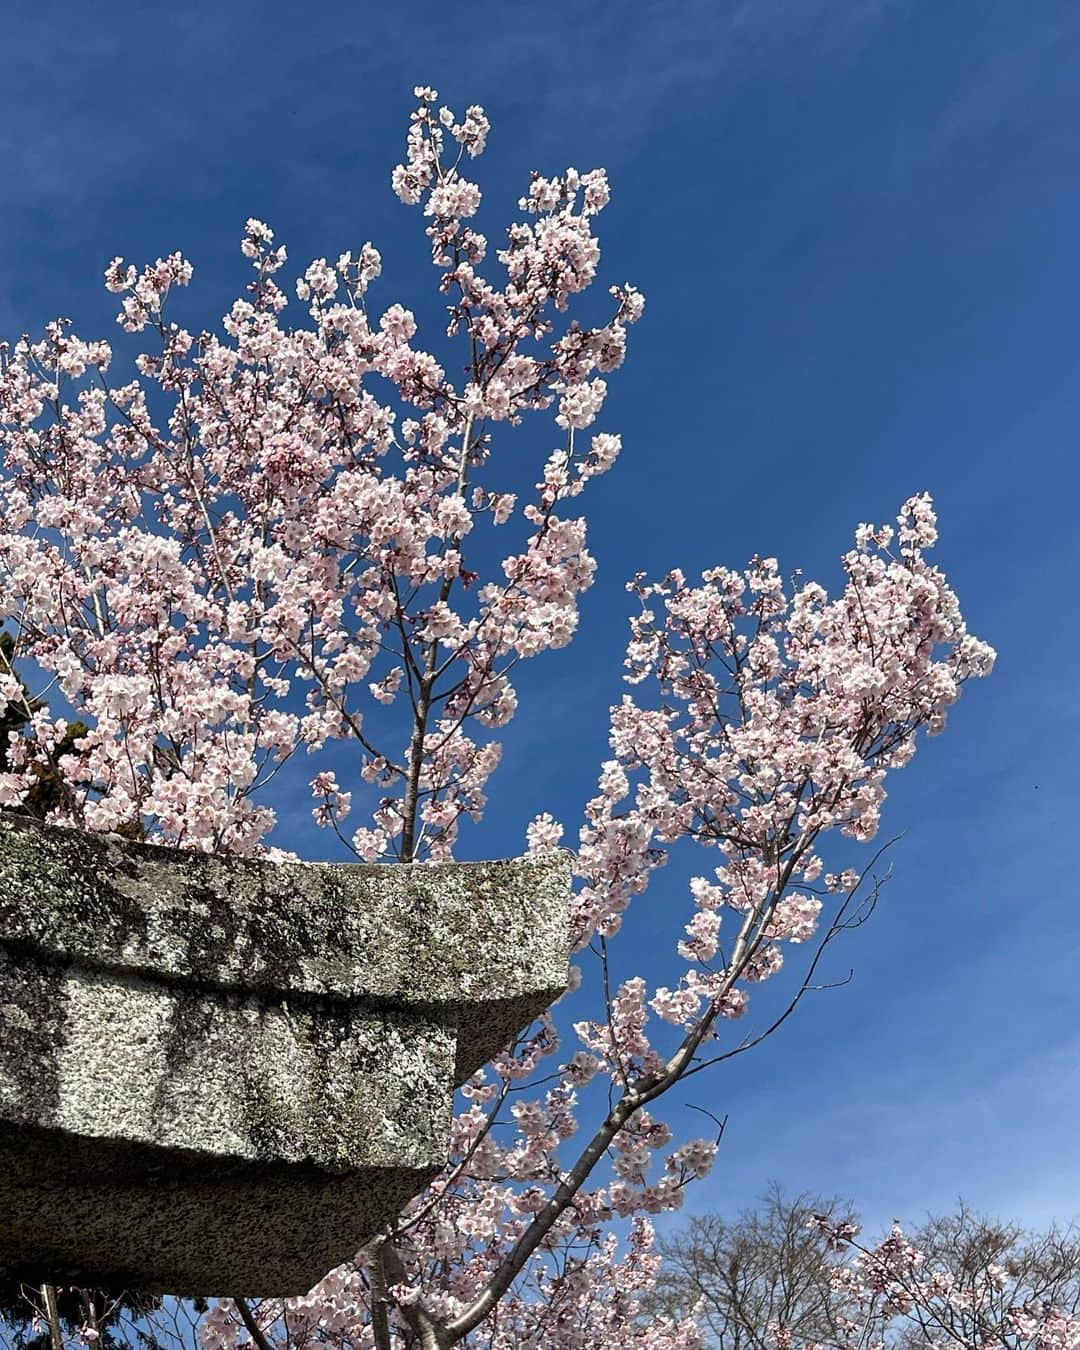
(221, 1076)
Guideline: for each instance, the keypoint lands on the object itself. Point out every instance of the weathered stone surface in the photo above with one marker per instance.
(340, 1086)
(223, 1075)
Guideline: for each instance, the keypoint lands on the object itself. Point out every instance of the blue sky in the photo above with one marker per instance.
(856, 226)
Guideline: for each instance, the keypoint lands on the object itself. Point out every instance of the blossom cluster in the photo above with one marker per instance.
(780, 713)
(230, 557)
(893, 1293)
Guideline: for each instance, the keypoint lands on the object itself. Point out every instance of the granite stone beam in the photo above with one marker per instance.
(223, 1075)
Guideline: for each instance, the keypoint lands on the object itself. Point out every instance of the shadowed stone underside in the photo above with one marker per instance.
(222, 1075)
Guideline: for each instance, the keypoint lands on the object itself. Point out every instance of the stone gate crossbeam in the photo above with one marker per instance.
(222, 1075)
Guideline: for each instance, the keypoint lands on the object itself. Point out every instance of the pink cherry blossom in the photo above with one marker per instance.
(892, 1291)
(275, 537)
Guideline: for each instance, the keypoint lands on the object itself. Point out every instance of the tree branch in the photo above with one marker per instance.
(52, 1316)
(253, 1329)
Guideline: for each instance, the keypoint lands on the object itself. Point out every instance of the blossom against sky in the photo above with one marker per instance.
(856, 227)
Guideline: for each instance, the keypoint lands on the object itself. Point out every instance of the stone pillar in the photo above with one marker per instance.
(222, 1075)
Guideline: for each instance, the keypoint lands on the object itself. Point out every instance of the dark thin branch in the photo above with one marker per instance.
(253, 1329)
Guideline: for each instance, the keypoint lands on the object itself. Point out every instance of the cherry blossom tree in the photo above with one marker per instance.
(272, 539)
(962, 1282)
(794, 1272)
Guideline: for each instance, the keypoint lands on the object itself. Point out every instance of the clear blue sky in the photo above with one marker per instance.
(857, 225)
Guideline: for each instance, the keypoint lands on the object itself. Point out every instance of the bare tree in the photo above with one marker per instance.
(49, 1317)
(764, 1267)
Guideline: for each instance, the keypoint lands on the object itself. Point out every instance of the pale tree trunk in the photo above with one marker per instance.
(52, 1316)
